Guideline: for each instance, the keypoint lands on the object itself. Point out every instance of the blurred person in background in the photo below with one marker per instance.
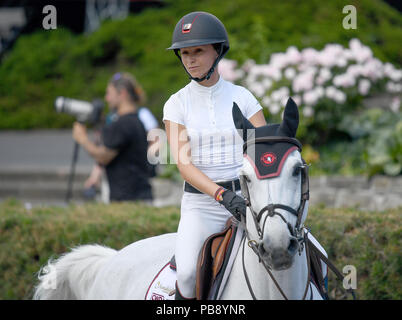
(97, 178)
(123, 148)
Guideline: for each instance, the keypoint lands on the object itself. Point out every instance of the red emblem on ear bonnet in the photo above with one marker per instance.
(268, 159)
(268, 164)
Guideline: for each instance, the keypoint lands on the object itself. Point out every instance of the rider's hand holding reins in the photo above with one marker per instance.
(235, 204)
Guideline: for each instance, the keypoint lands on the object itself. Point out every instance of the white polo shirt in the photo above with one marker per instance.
(206, 112)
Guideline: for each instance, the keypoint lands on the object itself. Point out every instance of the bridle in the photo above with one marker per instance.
(270, 208)
(299, 232)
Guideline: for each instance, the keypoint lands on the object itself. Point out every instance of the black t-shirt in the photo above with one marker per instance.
(128, 172)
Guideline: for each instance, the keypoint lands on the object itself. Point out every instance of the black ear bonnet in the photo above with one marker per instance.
(268, 147)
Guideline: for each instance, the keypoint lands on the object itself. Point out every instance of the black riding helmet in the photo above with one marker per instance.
(200, 28)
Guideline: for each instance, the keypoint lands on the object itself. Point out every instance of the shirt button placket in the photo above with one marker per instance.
(212, 111)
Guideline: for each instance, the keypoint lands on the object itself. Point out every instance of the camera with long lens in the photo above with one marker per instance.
(84, 111)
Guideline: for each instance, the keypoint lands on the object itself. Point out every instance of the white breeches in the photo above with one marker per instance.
(201, 216)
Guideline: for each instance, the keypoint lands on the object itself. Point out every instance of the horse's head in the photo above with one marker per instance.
(274, 181)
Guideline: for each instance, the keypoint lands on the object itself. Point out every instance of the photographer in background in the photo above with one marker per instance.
(123, 151)
(97, 177)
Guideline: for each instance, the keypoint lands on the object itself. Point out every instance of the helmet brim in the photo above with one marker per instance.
(194, 43)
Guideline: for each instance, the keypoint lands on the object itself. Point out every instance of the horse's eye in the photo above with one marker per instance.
(296, 170)
(246, 178)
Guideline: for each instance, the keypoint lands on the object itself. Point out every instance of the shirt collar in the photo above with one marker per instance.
(194, 85)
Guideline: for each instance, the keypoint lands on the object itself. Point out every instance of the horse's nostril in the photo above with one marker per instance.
(293, 246)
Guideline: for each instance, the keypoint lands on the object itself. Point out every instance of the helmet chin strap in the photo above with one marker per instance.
(211, 70)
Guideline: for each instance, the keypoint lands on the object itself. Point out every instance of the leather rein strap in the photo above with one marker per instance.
(252, 244)
(330, 265)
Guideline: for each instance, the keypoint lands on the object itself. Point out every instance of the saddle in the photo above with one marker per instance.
(212, 258)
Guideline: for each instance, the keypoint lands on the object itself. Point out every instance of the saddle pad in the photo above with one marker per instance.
(162, 286)
(324, 267)
(220, 282)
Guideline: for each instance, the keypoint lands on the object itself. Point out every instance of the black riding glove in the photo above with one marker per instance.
(235, 204)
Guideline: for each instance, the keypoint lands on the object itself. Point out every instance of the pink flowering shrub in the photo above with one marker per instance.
(326, 84)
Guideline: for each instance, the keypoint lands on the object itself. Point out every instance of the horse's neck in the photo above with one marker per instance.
(292, 281)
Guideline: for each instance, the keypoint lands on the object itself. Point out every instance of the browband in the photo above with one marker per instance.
(272, 139)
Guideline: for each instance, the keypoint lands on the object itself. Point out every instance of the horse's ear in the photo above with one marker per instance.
(241, 123)
(290, 120)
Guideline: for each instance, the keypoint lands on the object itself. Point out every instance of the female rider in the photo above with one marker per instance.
(203, 140)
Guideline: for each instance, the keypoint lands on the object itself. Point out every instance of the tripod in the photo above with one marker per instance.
(72, 172)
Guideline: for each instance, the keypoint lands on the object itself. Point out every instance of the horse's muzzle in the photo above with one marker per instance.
(279, 258)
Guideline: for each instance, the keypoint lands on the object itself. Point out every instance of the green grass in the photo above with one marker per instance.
(29, 238)
(370, 241)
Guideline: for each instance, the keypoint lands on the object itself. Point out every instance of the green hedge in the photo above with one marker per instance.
(47, 64)
(370, 241)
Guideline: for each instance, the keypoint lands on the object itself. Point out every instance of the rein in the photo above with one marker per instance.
(310, 249)
(253, 245)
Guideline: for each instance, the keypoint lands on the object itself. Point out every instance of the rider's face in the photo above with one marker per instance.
(198, 60)
(112, 97)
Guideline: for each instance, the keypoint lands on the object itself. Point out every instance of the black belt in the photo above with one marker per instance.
(227, 185)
